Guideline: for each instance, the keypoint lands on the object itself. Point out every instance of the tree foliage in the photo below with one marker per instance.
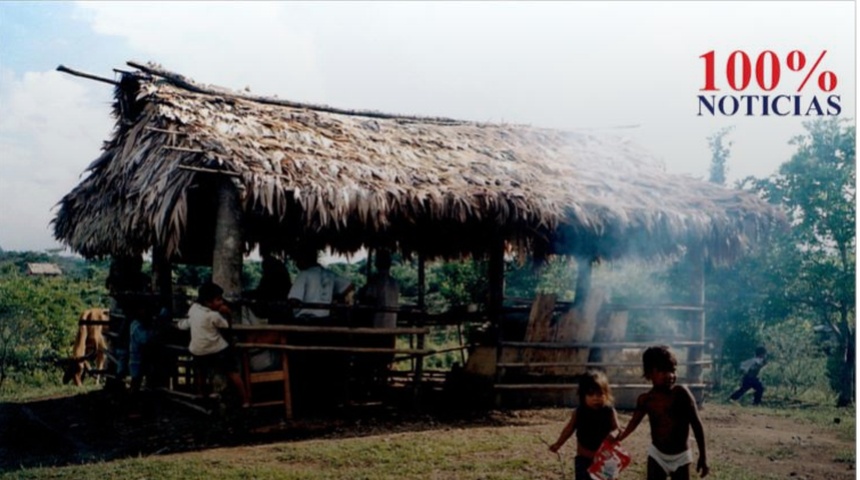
(38, 318)
(796, 354)
(720, 151)
(818, 188)
(807, 271)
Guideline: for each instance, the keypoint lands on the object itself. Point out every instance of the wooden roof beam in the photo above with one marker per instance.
(65, 69)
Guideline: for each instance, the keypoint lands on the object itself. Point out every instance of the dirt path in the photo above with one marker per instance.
(763, 442)
(755, 443)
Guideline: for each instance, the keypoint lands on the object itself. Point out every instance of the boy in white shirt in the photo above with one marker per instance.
(211, 351)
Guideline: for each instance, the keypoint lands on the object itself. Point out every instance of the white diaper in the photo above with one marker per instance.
(670, 463)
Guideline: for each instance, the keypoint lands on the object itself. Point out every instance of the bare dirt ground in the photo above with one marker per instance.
(92, 428)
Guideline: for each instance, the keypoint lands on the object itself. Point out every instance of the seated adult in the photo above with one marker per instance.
(268, 306)
(272, 293)
(383, 293)
(316, 284)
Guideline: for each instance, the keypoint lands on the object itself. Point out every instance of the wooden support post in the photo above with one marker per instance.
(696, 262)
(578, 325)
(228, 250)
(288, 395)
(163, 278)
(419, 361)
(583, 280)
(540, 328)
(460, 342)
(496, 273)
(163, 273)
(611, 328)
(496, 277)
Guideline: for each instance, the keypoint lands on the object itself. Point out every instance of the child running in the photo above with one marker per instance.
(671, 411)
(593, 421)
(751, 368)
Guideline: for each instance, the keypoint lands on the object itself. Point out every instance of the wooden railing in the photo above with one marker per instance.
(521, 366)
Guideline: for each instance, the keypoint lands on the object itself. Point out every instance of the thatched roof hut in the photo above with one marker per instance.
(44, 269)
(349, 179)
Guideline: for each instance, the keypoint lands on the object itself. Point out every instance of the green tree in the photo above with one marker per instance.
(748, 296)
(192, 275)
(38, 317)
(805, 272)
(557, 275)
(796, 354)
(460, 283)
(720, 151)
(818, 188)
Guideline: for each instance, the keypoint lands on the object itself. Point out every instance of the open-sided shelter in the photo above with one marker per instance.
(201, 174)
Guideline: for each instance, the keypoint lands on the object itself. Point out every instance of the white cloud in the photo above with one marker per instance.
(51, 128)
(551, 64)
(231, 44)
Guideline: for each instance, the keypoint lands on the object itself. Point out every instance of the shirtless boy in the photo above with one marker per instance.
(671, 411)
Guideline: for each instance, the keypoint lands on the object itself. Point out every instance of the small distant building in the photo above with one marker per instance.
(44, 269)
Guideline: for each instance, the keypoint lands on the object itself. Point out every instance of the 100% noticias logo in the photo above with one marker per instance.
(767, 74)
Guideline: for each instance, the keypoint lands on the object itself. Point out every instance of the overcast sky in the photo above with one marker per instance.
(583, 65)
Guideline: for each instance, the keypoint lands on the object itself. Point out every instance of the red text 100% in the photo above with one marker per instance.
(767, 71)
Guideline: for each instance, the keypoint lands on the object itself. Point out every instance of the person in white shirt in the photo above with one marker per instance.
(750, 369)
(382, 291)
(316, 284)
(211, 351)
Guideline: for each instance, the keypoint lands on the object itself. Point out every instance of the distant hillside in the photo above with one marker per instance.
(72, 267)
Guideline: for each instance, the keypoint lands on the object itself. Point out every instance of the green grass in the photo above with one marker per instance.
(16, 393)
(482, 452)
(845, 456)
(141, 469)
(400, 456)
(491, 453)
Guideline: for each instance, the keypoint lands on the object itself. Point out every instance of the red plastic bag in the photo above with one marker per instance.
(609, 461)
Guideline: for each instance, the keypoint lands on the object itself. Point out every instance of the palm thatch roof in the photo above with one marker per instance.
(349, 179)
